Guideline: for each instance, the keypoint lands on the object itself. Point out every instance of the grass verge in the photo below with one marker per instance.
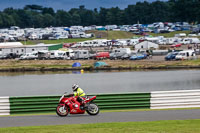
(168, 126)
(171, 34)
(121, 64)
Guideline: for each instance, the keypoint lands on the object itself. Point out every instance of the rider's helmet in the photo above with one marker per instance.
(74, 87)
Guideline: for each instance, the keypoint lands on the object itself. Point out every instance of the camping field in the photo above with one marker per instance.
(101, 35)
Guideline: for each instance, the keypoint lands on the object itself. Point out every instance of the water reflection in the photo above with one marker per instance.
(75, 72)
(55, 83)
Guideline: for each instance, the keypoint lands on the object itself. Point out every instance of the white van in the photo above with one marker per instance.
(186, 55)
(29, 56)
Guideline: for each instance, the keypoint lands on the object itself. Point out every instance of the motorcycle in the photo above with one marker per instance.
(69, 104)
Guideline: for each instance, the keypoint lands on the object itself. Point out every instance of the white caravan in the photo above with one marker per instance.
(81, 54)
(186, 55)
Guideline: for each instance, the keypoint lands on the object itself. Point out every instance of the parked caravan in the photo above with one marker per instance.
(186, 55)
(190, 40)
(60, 55)
(119, 52)
(81, 54)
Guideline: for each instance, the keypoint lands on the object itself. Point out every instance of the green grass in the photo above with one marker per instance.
(168, 126)
(171, 34)
(111, 34)
(119, 35)
(42, 66)
(32, 42)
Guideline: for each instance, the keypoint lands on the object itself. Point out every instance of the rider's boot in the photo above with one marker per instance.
(83, 105)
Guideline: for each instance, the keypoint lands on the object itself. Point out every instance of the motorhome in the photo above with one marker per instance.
(119, 52)
(186, 55)
(61, 55)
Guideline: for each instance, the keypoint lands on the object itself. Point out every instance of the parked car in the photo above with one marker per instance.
(9, 56)
(125, 56)
(101, 55)
(2, 56)
(171, 56)
(176, 45)
(137, 56)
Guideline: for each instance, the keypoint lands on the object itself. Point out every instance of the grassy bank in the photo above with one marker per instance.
(170, 126)
(71, 40)
(88, 64)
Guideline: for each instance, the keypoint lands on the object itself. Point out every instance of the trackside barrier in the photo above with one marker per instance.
(153, 100)
(175, 99)
(33, 104)
(4, 106)
(40, 104)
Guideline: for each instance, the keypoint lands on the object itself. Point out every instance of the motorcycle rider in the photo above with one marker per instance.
(80, 93)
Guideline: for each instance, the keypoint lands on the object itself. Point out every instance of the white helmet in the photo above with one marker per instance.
(74, 87)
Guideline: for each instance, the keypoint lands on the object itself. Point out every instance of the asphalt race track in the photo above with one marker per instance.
(37, 120)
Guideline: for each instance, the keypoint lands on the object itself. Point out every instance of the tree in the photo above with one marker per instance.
(33, 7)
(48, 11)
(48, 20)
(144, 12)
(63, 18)
(7, 20)
(76, 19)
(102, 16)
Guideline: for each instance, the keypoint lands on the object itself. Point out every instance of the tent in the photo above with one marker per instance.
(146, 45)
(76, 64)
(99, 64)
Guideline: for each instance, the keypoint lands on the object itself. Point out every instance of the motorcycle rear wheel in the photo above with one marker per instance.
(92, 109)
(62, 110)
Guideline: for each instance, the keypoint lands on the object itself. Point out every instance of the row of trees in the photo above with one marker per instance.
(142, 12)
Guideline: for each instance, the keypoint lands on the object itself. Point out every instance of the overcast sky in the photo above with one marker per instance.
(68, 4)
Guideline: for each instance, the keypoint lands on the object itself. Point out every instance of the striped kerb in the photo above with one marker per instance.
(4, 106)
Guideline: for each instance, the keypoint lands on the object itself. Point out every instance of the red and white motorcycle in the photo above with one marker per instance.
(69, 104)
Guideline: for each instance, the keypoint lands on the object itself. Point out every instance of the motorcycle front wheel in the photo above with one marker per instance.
(92, 109)
(62, 110)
